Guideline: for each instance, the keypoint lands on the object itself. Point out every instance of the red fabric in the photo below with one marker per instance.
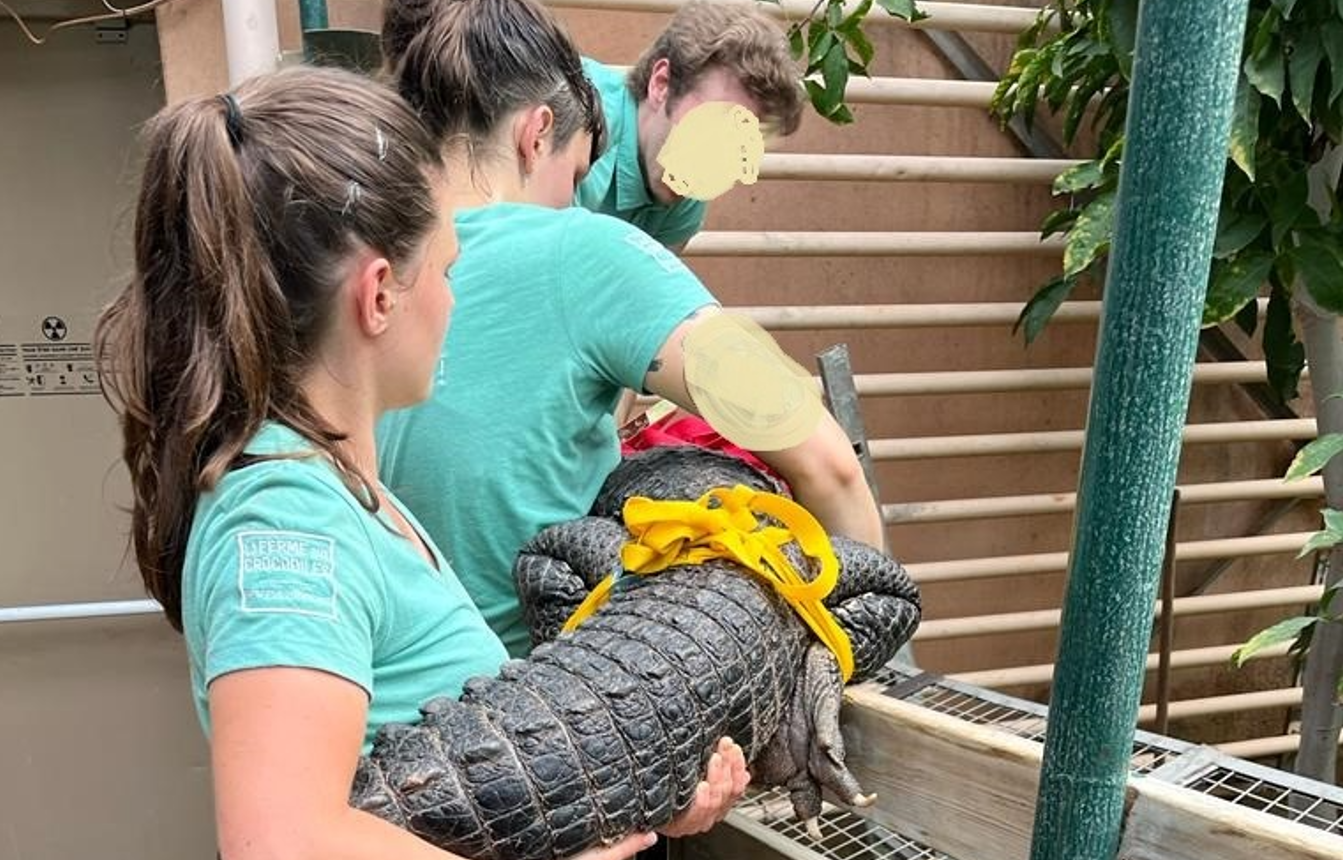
(682, 429)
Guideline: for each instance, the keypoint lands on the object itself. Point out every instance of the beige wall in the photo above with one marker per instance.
(100, 754)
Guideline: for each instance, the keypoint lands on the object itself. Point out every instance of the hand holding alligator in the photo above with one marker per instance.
(723, 785)
(627, 847)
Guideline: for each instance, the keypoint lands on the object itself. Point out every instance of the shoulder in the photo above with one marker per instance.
(286, 535)
(599, 226)
(672, 225)
(506, 237)
(303, 495)
(617, 102)
(309, 475)
(508, 219)
(614, 246)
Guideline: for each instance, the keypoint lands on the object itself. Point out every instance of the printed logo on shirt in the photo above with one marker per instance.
(653, 248)
(281, 571)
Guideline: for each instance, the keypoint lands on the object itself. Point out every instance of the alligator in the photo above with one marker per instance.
(606, 729)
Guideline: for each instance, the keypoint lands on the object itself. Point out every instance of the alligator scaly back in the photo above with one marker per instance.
(606, 730)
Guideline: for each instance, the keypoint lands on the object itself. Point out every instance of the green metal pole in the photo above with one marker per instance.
(311, 16)
(1184, 80)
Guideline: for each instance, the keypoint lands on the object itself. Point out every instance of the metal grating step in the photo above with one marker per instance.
(845, 836)
(848, 836)
(1275, 792)
(1019, 717)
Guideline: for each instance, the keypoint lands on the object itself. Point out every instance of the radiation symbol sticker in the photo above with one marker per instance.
(54, 329)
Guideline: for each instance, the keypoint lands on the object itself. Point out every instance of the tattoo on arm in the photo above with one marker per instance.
(656, 364)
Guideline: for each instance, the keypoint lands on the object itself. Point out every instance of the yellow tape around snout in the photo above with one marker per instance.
(670, 533)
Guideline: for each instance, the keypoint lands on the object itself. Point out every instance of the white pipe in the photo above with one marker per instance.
(925, 92)
(1262, 747)
(1033, 379)
(834, 243)
(1229, 704)
(965, 17)
(63, 611)
(1043, 673)
(251, 38)
(909, 168)
(990, 507)
(1056, 562)
(805, 317)
(1048, 441)
(1048, 619)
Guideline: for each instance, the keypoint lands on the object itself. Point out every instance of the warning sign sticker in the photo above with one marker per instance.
(12, 380)
(47, 369)
(44, 356)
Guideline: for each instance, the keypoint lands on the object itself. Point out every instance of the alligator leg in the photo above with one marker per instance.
(555, 570)
(807, 753)
(875, 602)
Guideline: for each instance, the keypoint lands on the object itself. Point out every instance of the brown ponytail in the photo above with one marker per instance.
(465, 65)
(248, 206)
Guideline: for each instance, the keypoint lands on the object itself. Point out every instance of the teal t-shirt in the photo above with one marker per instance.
(557, 311)
(615, 184)
(284, 567)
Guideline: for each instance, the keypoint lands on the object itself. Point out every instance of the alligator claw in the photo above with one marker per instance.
(807, 753)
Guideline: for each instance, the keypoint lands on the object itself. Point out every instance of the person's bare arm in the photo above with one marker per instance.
(828, 480)
(822, 470)
(627, 409)
(284, 749)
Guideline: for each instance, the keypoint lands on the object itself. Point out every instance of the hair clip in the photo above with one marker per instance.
(354, 192)
(381, 143)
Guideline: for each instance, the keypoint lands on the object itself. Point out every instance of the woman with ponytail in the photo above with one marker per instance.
(290, 244)
(560, 309)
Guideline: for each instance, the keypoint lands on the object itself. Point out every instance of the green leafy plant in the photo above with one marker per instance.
(1309, 460)
(1077, 59)
(1299, 629)
(835, 47)
(1280, 225)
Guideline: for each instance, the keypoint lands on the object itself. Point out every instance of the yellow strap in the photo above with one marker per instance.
(669, 533)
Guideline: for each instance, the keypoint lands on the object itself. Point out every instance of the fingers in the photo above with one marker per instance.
(709, 795)
(736, 762)
(702, 814)
(725, 780)
(717, 778)
(627, 847)
(737, 775)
